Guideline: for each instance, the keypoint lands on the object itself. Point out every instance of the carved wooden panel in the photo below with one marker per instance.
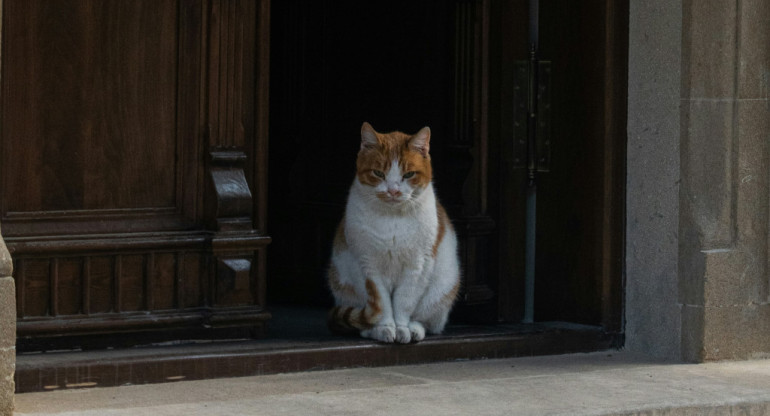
(90, 115)
(85, 285)
(469, 155)
(129, 163)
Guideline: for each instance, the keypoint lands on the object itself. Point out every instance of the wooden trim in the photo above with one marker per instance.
(47, 372)
(134, 321)
(613, 203)
(262, 116)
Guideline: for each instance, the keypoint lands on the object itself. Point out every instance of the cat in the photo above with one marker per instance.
(394, 270)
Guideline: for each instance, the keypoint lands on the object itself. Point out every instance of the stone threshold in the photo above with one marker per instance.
(600, 383)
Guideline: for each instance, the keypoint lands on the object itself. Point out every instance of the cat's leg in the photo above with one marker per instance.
(433, 311)
(353, 311)
(406, 297)
(385, 329)
(436, 303)
(379, 299)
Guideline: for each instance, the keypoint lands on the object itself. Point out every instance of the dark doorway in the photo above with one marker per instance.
(335, 65)
(449, 65)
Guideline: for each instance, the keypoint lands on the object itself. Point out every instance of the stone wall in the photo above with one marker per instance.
(653, 324)
(725, 120)
(698, 179)
(7, 331)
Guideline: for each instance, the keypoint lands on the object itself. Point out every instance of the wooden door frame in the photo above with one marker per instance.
(609, 254)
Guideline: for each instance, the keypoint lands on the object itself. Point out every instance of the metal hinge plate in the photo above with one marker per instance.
(522, 79)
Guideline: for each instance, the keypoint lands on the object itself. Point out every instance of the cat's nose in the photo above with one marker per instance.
(394, 192)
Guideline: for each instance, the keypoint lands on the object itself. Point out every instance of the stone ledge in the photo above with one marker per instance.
(605, 383)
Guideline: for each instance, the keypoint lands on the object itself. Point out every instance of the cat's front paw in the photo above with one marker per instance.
(403, 335)
(417, 331)
(382, 333)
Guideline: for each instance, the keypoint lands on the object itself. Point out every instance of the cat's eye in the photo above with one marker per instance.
(409, 175)
(378, 173)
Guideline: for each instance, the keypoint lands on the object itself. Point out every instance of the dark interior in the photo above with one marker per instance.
(335, 65)
(398, 65)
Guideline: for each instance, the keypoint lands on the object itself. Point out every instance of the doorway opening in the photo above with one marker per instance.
(449, 65)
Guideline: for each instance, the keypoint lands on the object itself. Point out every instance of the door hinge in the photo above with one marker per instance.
(527, 105)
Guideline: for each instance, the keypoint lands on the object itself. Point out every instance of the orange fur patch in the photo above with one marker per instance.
(391, 146)
(373, 302)
(349, 319)
(443, 223)
(451, 296)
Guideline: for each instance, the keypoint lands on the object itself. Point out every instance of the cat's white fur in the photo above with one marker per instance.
(391, 243)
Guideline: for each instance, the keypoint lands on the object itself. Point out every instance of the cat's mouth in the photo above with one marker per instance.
(390, 199)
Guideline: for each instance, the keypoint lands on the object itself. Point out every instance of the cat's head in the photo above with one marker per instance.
(394, 167)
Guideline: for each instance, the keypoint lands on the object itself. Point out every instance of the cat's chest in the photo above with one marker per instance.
(397, 232)
(395, 235)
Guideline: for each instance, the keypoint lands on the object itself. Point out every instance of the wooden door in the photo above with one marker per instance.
(580, 201)
(132, 178)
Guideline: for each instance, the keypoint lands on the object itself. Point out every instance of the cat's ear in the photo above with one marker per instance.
(420, 142)
(368, 136)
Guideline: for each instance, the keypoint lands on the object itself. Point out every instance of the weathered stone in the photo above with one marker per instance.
(753, 130)
(721, 205)
(734, 276)
(754, 55)
(652, 189)
(708, 48)
(6, 266)
(7, 331)
(707, 138)
(7, 385)
(692, 333)
(736, 332)
(7, 312)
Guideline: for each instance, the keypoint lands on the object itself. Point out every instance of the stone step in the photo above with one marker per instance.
(603, 383)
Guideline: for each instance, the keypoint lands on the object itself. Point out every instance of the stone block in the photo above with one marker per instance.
(736, 332)
(707, 171)
(692, 333)
(734, 276)
(653, 323)
(7, 312)
(7, 385)
(754, 52)
(6, 266)
(691, 267)
(753, 130)
(708, 49)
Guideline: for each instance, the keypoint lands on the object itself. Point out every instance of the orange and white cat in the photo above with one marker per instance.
(394, 269)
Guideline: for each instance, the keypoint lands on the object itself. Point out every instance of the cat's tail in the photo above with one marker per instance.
(349, 320)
